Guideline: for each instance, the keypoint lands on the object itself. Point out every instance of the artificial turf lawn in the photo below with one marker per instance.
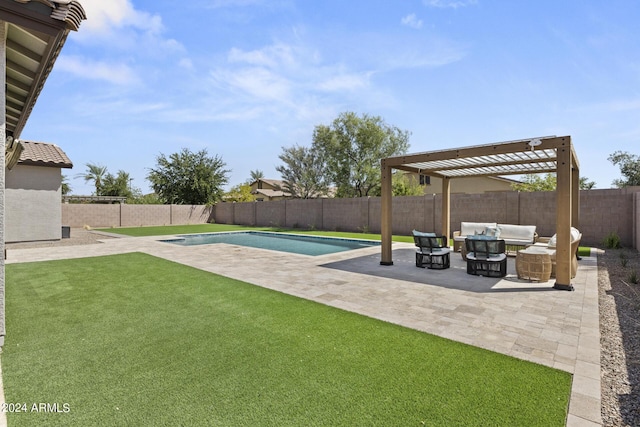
(136, 340)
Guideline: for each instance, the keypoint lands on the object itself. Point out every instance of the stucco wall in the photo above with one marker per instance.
(32, 204)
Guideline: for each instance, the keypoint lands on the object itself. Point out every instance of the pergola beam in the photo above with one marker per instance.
(553, 150)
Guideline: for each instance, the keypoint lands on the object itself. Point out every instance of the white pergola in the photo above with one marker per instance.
(520, 157)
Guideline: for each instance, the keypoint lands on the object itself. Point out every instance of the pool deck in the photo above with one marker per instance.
(527, 320)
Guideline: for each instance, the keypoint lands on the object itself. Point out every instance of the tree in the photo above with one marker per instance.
(256, 175)
(536, 183)
(303, 172)
(629, 168)
(65, 188)
(94, 173)
(547, 183)
(118, 185)
(404, 185)
(240, 193)
(353, 146)
(585, 184)
(189, 178)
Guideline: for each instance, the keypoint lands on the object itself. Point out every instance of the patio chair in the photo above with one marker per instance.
(486, 257)
(432, 250)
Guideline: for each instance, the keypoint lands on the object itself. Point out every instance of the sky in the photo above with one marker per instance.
(245, 78)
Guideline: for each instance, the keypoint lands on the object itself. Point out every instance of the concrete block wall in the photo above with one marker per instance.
(223, 213)
(304, 213)
(346, 214)
(79, 215)
(191, 214)
(117, 215)
(538, 209)
(601, 212)
(141, 215)
(244, 213)
(608, 211)
(271, 214)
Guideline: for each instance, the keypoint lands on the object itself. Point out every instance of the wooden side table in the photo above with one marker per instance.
(533, 264)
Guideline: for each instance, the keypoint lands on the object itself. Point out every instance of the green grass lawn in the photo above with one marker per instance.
(136, 340)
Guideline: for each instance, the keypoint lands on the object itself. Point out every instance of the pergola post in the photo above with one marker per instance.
(446, 207)
(575, 195)
(564, 218)
(386, 213)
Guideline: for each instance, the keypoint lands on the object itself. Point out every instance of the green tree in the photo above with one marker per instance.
(118, 185)
(240, 193)
(303, 172)
(585, 184)
(256, 175)
(548, 182)
(629, 168)
(145, 199)
(65, 188)
(404, 185)
(189, 178)
(536, 183)
(94, 173)
(353, 146)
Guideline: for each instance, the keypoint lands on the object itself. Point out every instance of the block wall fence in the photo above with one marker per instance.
(601, 212)
(124, 215)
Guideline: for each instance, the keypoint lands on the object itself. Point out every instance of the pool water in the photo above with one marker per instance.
(305, 245)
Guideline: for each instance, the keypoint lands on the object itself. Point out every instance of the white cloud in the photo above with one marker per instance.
(105, 16)
(256, 82)
(454, 4)
(119, 74)
(412, 21)
(345, 82)
(270, 56)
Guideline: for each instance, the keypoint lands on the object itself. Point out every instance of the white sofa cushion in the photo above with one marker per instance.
(517, 233)
(574, 235)
(471, 228)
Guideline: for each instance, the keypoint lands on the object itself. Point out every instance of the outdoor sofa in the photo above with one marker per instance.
(515, 236)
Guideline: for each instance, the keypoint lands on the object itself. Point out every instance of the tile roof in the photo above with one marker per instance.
(42, 154)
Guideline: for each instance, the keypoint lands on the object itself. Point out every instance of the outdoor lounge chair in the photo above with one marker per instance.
(486, 257)
(432, 250)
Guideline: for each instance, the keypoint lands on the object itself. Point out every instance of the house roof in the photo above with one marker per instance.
(42, 154)
(271, 193)
(35, 33)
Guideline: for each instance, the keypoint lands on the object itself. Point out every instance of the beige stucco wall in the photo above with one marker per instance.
(32, 204)
(468, 185)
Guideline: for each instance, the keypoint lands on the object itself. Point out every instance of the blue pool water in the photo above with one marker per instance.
(306, 245)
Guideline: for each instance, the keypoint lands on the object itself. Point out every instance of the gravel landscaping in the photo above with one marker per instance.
(619, 336)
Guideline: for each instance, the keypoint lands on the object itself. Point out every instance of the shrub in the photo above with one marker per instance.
(612, 241)
(633, 277)
(623, 259)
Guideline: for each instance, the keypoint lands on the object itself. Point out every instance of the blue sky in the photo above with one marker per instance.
(243, 78)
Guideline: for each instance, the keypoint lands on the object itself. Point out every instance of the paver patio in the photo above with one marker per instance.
(526, 320)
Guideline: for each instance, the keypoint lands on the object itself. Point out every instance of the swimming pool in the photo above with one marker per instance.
(293, 243)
